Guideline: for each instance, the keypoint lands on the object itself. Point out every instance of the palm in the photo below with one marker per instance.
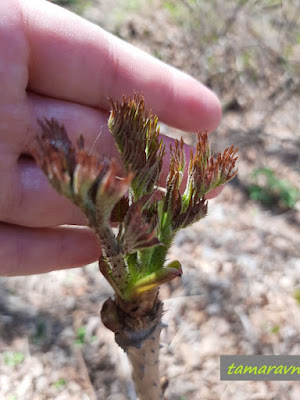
(56, 65)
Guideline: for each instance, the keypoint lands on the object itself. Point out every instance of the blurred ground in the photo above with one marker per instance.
(239, 290)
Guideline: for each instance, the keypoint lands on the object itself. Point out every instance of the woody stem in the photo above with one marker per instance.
(137, 327)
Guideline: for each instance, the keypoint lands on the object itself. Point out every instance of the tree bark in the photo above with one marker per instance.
(137, 326)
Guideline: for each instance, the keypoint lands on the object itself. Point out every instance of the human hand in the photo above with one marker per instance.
(54, 64)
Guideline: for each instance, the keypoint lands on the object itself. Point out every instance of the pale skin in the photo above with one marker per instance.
(54, 64)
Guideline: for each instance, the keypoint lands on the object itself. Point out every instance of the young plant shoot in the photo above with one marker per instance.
(133, 260)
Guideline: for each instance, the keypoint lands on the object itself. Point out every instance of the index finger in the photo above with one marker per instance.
(72, 59)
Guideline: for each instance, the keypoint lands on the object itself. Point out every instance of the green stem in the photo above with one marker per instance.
(158, 258)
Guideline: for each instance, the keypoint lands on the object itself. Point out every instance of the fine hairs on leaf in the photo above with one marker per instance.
(133, 260)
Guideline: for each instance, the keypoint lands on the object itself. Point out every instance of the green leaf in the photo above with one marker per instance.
(60, 383)
(13, 358)
(80, 335)
(296, 296)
